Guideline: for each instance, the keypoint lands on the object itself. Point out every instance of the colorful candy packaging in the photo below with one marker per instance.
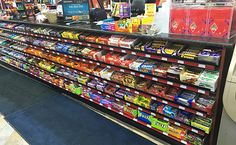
(194, 139)
(107, 102)
(209, 55)
(159, 124)
(121, 93)
(110, 89)
(96, 97)
(208, 79)
(142, 116)
(204, 103)
(131, 112)
(170, 111)
(202, 123)
(118, 106)
(157, 107)
(142, 101)
(186, 97)
(190, 75)
(184, 116)
(177, 132)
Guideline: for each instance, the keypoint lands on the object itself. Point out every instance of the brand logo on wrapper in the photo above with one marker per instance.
(174, 25)
(214, 27)
(193, 27)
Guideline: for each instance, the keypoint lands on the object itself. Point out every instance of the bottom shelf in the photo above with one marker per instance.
(19, 66)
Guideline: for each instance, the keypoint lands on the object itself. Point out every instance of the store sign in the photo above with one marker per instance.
(78, 8)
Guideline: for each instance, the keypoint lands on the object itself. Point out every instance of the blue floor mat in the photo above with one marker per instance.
(18, 92)
(61, 121)
(44, 117)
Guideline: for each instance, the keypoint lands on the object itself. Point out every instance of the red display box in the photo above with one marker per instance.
(211, 21)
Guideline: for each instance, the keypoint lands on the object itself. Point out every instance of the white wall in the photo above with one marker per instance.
(227, 132)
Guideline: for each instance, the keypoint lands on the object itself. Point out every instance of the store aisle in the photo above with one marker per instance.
(45, 117)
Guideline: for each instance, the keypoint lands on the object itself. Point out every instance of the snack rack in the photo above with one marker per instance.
(19, 57)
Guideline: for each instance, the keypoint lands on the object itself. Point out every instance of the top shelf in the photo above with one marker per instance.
(209, 41)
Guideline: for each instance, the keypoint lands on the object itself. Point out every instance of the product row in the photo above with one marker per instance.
(184, 97)
(139, 100)
(202, 78)
(110, 102)
(152, 46)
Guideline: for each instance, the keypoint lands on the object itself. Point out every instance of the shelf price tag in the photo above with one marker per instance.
(149, 126)
(181, 107)
(136, 92)
(118, 86)
(132, 73)
(109, 108)
(135, 119)
(201, 91)
(183, 86)
(183, 141)
(122, 70)
(111, 48)
(154, 98)
(194, 130)
(121, 113)
(147, 55)
(141, 75)
(166, 119)
(127, 89)
(153, 114)
(165, 133)
(165, 102)
(134, 53)
(99, 46)
(169, 83)
(202, 65)
(164, 58)
(123, 51)
(199, 113)
(88, 44)
(177, 123)
(154, 79)
(180, 61)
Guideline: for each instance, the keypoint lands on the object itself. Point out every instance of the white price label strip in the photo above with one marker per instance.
(132, 73)
(201, 91)
(177, 123)
(180, 61)
(202, 65)
(181, 107)
(154, 79)
(164, 58)
(134, 53)
(183, 86)
(169, 83)
(199, 113)
(147, 55)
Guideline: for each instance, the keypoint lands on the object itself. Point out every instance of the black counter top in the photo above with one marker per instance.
(93, 28)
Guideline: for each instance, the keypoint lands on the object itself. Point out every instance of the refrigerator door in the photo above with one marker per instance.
(229, 98)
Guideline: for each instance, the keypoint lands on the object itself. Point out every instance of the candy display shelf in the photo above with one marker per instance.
(157, 115)
(121, 69)
(124, 50)
(99, 92)
(140, 92)
(177, 130)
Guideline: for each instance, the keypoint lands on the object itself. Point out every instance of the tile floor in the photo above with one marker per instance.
(8, 136)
